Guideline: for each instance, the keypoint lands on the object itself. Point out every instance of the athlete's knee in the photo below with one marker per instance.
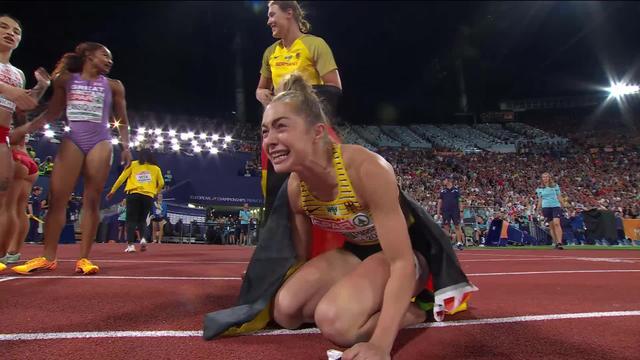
(90, 201)
(58, 197)
(334, 326)
(287, 309)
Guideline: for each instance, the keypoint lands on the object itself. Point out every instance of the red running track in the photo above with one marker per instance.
(171, 287)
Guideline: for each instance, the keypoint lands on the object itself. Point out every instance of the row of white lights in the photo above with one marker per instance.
(183, 136)
(174, 140)
(175, 146)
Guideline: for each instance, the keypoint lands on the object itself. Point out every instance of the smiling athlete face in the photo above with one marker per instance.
(279, 21)
(102, 60)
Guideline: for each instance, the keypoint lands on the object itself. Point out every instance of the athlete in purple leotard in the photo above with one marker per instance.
(90, 100)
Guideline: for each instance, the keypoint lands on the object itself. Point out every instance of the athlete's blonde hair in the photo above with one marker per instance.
(294, 90)
(298, 13)
(552, 182)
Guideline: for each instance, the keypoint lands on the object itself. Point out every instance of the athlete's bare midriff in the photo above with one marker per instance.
(5, 118)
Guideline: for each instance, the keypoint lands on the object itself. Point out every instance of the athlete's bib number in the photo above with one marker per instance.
(7, 104)
(143, 177)
(85, 104)
(10, 76)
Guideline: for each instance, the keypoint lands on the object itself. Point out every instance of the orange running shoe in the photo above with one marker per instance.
(86, 267)
(2, 266)
(37, 264)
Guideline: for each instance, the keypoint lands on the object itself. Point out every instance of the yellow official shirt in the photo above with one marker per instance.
(142, 179)
(309, 55)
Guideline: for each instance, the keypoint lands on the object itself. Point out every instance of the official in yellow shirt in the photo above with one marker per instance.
(296, 51)
(144, 182)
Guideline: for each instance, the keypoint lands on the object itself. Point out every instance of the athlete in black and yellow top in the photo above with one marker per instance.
(358, 295)
(295, 51)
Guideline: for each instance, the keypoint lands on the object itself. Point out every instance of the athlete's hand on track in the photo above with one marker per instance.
(365, 351)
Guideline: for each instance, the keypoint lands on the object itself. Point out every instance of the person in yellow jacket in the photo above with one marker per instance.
(144, 182)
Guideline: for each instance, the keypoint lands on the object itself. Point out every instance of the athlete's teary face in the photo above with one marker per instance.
(278, 20)
(102, 59)
(286, 138)
(10, 33)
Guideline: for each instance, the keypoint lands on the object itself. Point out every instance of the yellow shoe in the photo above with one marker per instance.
(40, 263)
(86, 267)
(2, 266)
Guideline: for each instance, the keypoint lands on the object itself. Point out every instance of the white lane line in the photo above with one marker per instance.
(106, 277)
(573, 256)
(96, 334)
(246, 262)
(553, 258)
(7, 278)
(610, 260)
(461, 259)
(196, 333)
(555, 272)
(483, 253)
(160, 261)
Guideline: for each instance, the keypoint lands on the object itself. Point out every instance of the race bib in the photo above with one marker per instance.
(85, 103)
(143, 177)
(10, 76)
(7, 104)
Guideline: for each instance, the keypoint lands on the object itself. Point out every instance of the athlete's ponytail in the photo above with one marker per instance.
(295, 82)
(74, 61)
(294, 90)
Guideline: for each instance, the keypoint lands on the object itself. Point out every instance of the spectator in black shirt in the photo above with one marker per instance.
(168, 180)
(450, 209)
(34, 210)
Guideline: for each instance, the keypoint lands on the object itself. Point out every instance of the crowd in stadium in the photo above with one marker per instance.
(603, 178)
(595, 170)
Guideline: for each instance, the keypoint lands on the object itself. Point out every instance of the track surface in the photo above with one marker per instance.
(535, 304)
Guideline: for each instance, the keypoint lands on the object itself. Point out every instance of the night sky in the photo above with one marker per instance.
(396, 59)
